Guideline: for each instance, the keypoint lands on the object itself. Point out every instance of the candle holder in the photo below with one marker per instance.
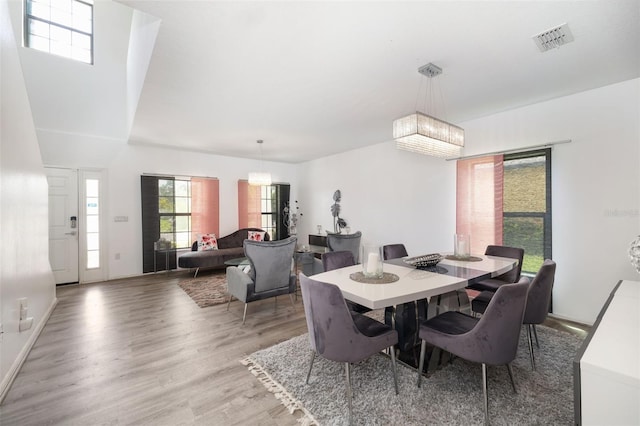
(372, 261)
(461, 246)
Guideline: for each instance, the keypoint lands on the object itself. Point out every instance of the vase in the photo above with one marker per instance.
(461, 246)
(372, 261)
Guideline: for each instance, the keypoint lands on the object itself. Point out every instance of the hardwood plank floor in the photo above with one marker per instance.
(140, 351)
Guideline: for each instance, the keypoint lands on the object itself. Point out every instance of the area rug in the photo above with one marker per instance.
(451, 395)
(207, 290)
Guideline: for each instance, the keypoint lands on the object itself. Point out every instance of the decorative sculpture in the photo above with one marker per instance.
(338, 222)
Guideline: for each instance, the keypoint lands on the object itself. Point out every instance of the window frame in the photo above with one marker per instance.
(28, 17)
(545, 216)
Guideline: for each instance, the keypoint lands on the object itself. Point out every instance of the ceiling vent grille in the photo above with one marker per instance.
(553, 38)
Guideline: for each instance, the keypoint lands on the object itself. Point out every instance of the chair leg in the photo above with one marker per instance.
(513, 382)
(393, 366)
(229, 304)
(244, 316)
(349, 391)
(292, 302)
(485, 393)
(535, 333)
(313, 357)
(530, 341)
(423, 350)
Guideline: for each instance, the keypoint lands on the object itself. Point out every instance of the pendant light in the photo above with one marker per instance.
(260, 178)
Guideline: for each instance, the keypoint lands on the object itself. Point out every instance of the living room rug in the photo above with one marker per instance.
(451, 395)
(207, 290)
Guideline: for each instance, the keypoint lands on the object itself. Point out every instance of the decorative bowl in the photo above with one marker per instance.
(424, 261)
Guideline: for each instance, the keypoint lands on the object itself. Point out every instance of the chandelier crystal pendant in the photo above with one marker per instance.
(260, 178)
(426, 134)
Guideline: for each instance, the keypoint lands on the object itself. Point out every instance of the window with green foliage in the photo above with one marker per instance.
(174, 207)
(527, 206)
(60, 27)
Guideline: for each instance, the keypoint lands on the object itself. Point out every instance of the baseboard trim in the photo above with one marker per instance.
(7, 381)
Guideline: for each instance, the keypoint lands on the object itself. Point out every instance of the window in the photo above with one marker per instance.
(176, 209)
(92, 211)
(506, 200)
(60, 27)
(527, 206)
(263, 207)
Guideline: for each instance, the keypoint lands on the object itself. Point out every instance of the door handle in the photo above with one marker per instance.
(70, 233)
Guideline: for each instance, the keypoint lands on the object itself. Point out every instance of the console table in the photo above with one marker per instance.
(606, 370)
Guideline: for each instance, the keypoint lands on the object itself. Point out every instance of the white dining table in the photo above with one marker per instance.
(414, 284)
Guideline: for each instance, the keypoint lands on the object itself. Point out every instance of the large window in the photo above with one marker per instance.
(527, 206)
(177, 210)
(174, 208)
(60, 27)
(506, 200)
(263, 207)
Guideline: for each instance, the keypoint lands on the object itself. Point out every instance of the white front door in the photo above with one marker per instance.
(63, 224)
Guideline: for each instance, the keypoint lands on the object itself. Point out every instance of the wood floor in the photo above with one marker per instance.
(140, 351)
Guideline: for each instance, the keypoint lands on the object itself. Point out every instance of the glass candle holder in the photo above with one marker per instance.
(461, 246)
(372, 261)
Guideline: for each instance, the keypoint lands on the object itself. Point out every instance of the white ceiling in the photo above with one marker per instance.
(318, 78)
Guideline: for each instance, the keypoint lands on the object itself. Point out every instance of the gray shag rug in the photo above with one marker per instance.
(451, 395)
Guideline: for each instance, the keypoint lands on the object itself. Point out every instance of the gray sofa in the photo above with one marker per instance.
(229, 247)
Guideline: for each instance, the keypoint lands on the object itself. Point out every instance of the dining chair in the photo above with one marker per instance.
(394, 251)
(340, 259)
(538, 303)
(269, 273)
(489, 340)
(337, 334)
(512, 276)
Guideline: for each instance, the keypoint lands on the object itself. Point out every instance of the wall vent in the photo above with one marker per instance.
(553, 38)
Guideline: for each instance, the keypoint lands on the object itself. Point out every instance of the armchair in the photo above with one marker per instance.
(269, 275)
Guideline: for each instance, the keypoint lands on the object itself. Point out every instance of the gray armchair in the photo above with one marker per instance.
(348, 242)
(341, 242)
(492, 339)
(339, 335)
(269, 275)
(538, 303)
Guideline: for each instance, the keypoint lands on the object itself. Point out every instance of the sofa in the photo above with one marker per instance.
(229, 247)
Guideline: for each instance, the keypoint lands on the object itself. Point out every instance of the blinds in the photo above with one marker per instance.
(249, 209)
(479, 199)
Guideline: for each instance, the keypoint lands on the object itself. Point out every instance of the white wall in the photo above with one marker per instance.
(123, 186)
(595, 185)
(394, 196)
(24, 253)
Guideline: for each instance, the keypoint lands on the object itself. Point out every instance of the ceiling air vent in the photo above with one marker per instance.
(553, 38)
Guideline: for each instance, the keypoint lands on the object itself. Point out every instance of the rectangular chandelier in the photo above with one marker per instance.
(428, 135)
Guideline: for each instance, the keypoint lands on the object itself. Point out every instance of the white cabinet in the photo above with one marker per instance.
(607, 367)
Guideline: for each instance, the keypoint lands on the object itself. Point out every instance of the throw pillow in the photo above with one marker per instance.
(207, 242)
(256, 235)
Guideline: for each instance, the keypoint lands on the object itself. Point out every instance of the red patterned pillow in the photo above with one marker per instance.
(256, 235)
(207, 242)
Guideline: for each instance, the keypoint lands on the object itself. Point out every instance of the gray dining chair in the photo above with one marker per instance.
(490, 340)
(512, 276)
(340, 259)
(337, 334)
(269, 273)
(538, 303)
(394, 251)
